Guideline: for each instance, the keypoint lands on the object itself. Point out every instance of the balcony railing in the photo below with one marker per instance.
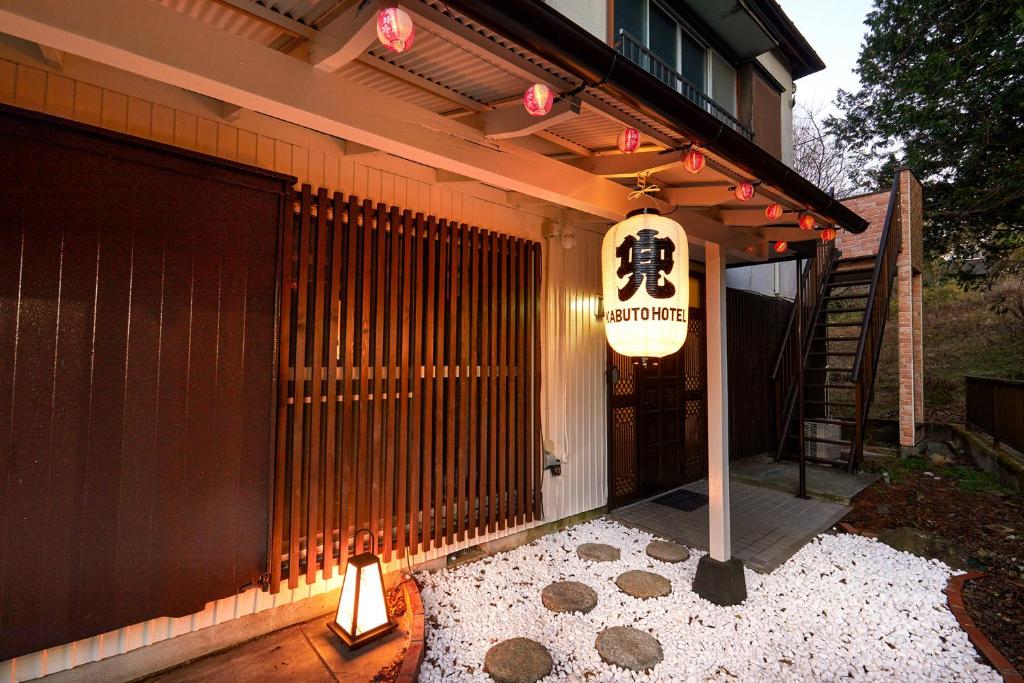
(635, 51)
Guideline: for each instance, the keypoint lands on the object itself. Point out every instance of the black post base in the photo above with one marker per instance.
(720, 582)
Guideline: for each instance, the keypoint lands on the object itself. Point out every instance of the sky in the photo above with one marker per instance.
(834, 28)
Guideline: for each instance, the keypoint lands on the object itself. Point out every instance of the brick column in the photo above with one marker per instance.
(909, 303)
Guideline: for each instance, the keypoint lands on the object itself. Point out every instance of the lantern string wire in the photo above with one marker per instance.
(643, 189)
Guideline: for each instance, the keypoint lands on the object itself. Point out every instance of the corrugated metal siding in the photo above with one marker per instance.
(573, 342)
(227, 19)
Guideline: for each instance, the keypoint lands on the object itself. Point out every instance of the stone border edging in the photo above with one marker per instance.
(410, 671)
(955, 601)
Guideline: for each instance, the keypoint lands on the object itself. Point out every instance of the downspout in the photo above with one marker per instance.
(556, 38)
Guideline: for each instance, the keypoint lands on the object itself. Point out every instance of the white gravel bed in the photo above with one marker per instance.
(843, 607)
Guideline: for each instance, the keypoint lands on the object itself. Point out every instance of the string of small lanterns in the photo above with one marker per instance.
(396, 31)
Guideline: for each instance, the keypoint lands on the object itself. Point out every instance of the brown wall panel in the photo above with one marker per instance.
(137, 307)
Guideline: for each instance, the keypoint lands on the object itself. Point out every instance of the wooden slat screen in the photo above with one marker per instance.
(416, 414)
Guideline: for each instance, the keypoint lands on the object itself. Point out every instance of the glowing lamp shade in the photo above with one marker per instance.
(780, 247)
(773, 212)
(693, 161)
(806, 221)
(645, 263)
(538, 99)
(395, 29)
(629, 140)
(744, 191)
(828, 234)
(362, 611)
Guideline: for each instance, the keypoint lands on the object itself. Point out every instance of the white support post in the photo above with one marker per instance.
(718, 405)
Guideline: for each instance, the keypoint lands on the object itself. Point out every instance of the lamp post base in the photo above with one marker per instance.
(354, 643)
(722, 583)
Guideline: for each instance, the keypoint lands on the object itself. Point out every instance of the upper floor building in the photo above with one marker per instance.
(738, 60)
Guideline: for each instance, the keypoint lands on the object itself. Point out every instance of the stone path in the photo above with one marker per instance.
(667, 551)
(569, 596)
(629, 648)
(518, 660)
(598, 552)
(643, 585)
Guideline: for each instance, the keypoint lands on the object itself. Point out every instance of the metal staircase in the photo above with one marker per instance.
(825, 369)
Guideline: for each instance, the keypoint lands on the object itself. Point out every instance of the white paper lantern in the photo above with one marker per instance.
(645, 263)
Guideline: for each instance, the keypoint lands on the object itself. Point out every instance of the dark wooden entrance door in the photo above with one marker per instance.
(656, 415)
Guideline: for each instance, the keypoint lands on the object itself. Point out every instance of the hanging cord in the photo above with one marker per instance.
(643, 189)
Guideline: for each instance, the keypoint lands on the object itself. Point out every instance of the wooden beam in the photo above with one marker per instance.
(229, 112)
(627, 165)
(696, 195)
(345, 38)
(53, 57)
(788, 234)
(568, 145)
(420, 82)
(514, 121)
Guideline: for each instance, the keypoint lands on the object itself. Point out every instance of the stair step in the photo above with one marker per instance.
(829, 386)
(843, 310)
(829, 403)
(846, 271)
(839, 339)
(835, 462)
(818, 439)
(830, 421)
(848, 283)
(845, 296)
(843, 324)
(833, 353)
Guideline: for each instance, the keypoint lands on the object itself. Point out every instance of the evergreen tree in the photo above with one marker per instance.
(942, 92)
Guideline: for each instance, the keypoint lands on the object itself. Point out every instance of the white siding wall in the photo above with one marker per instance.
(573, 396)
(590, 14)
(778, 68)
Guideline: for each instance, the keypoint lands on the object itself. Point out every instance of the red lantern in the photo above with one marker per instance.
(395, 29)
(744, 191)
(828, 234)
(780, 247)
(629, 140)
(806, 221)
(693, 161)
(773, 212)
(538, 99)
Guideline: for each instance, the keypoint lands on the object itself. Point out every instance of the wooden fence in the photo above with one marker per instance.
(996, 406)
(417, 410)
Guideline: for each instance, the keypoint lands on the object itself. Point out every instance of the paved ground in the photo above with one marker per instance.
(768, 526)
(822, 481)
(306, 652)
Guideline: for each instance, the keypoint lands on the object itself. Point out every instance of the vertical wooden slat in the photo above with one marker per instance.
(538, 455)
(376, 405)
(362, 497)
(473, 379)
(393, 386)
(416, 382)
(283, 365)
(347, 445)
(452, 497)
(517, 385)
(485, 453)
(403, 384)
(313, 496)
(299, 373)
(460, 286)
(501, 367)
(493, 306)
(432, 396)
(330, 430)
(522, 383)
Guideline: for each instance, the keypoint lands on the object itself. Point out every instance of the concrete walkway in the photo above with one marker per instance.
(768, 526)
(827, 483)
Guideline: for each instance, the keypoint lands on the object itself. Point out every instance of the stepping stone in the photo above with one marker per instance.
(667, 551)
(518, 660)
(629, 648)
(641, 584)
(598, 552)
(569, 596)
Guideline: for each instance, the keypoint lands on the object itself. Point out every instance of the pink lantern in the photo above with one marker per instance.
(744, 191)
(629, 140)
(693, 161)
(773, 212)
(780, 247)
(806, 221)
(538, 99)
(395, 29)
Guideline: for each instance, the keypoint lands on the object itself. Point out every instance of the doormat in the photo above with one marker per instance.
(682, 500)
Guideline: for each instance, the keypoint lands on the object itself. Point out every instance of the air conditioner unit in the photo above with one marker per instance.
(817, 449)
